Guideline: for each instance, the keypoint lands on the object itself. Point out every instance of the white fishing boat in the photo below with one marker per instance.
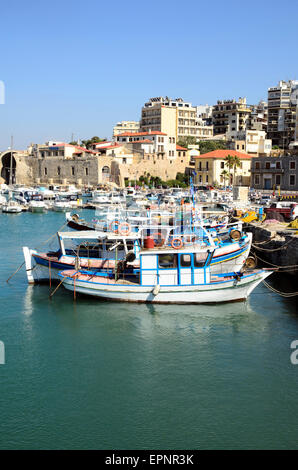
(166, 276)
(38, 206)
(63, 204)
(92, 249)
(12, 207)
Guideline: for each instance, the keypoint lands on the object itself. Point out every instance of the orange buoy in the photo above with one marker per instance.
(176, 243)
(113, 224)
(124, 229)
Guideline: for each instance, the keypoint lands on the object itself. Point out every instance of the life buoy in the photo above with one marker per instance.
(235, 235)
(176, 243)
(124, 229)
(113, 224)
(250, 262)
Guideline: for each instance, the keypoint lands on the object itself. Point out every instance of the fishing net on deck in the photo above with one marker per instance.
(276, 216)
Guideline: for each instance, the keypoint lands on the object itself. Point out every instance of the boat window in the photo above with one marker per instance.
(167, 261)
(185, 261)
(200, 259)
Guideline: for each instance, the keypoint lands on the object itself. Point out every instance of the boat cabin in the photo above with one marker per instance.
(171, 268)
(96, 245)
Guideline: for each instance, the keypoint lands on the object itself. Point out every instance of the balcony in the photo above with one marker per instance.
(269, 170)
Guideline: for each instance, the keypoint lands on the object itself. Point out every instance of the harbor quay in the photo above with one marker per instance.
(275, 245)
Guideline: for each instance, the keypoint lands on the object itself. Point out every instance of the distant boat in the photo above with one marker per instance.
(12, 207)
(38, 206)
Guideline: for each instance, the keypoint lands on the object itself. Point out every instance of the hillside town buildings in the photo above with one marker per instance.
(151, 145)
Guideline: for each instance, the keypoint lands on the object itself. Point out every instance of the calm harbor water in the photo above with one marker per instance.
(90, 374)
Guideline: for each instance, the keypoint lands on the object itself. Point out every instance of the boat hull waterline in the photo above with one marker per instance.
(230, 289)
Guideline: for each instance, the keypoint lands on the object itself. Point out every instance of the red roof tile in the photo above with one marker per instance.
(222, 154)
(178, 147)
(109, 146)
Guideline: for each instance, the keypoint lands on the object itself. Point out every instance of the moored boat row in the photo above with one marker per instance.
(148, 260)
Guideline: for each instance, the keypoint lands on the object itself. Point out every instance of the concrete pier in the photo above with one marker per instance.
(275, 244)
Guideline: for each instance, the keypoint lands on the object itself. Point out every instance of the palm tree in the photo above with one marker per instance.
(225, 174)
(237, 164)
(229, 162)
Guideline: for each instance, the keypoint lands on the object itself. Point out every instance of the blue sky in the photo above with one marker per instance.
(79, 67)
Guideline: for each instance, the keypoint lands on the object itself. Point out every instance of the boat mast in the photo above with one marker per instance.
(11, 157)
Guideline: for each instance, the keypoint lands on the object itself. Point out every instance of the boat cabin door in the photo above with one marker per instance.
(193, 268)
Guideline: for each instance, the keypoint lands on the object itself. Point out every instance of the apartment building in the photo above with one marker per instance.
(150, 142)
(252, 142)
(204, 113)
(230, 115)
(258, 119)
(275, 172)
(295, 143)
(176, 118)
(126, 126)
(210, 166)
(282, 112)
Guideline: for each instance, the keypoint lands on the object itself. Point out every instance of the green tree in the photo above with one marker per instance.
(236, 164)
(183, 178)
(229, 162)
(211, 145)
(87, 143)
(186, 141)
(225, 175)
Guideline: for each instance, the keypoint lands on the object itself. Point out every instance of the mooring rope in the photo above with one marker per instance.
(283, 247)
(17, 270)
(282, 294)
(21, 265)
(52, 236)
(293, 266)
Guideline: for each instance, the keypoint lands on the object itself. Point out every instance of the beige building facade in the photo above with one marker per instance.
(253, 142)
(126, 126)
(176, 118)
(230, 115)
(210, 166)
